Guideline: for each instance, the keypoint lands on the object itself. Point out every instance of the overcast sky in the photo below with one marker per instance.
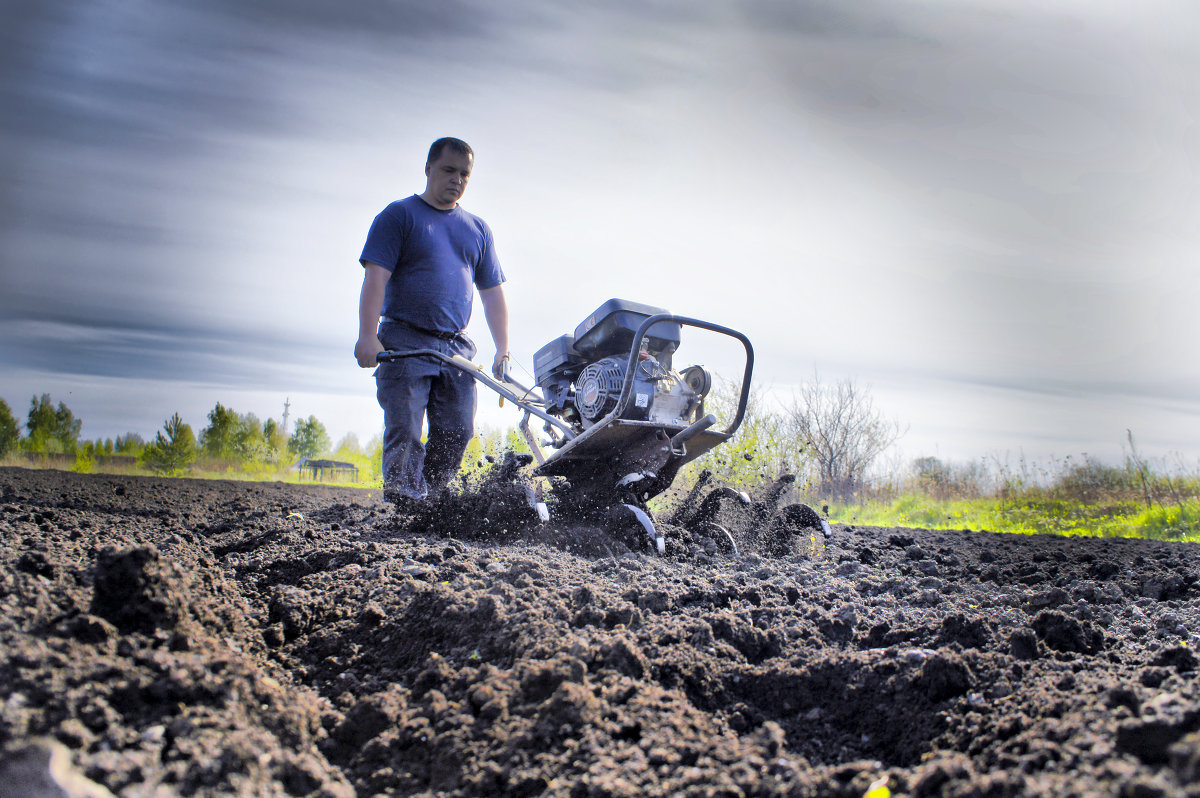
(984, 211)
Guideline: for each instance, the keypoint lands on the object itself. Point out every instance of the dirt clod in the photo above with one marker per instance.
(178, 637)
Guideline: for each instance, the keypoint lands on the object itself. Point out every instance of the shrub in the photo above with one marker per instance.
(1093, 482)
(171, 453)
(844, 432)
(85, 459)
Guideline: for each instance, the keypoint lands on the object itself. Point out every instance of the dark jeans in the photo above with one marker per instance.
(418, 389)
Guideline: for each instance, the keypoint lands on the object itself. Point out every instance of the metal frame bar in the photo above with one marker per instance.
(613, 416)
(475, 370)
(627, 388)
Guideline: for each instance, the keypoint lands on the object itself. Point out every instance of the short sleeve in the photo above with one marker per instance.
(488, 273)
(384, 241)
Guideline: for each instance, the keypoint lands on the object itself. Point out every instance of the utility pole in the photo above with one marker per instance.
(287, 404)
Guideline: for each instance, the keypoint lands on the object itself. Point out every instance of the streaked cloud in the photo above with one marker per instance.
(998, 196)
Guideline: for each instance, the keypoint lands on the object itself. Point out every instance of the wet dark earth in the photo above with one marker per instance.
(180, 637)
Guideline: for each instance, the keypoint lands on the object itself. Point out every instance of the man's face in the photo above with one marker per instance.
(446, 178)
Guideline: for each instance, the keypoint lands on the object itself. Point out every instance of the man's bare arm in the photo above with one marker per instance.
(370, 305)
(495, 311)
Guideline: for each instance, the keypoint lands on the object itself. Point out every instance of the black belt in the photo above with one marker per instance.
(445, 336)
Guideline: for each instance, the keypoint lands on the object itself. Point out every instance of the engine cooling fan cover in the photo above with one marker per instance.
(599, 386)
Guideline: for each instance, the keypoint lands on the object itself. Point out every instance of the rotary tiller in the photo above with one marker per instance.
(619, 421)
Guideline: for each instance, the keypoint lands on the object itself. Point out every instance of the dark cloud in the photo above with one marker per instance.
(165, 353)
(858, 20)
(160, 77)
(147, 148)
(398, 19)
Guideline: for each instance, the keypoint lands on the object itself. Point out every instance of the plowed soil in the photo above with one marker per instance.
(180, 637)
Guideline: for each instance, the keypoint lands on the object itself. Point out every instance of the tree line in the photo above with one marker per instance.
(829, 437)
(240, 438)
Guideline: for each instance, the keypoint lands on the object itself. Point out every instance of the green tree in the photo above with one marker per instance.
(349, 450)
(173, 450)
(374, 455)
(10, 431)
(310, 438)
(51, 429)
(249, 442)
(66, 427)
(275, 440)
(218, 439)
(129, 443)
(39, 424)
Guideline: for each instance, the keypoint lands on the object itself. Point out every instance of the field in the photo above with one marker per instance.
(180, 637)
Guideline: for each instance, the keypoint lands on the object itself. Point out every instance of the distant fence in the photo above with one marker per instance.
(329, 469)
(316, 470)
(64, 460)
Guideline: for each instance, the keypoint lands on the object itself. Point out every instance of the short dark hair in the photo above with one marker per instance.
(458, 145)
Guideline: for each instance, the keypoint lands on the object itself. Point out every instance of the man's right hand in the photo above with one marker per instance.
(366, 349)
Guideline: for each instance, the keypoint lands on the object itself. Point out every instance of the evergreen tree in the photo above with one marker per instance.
(171, 453)
(129, 443)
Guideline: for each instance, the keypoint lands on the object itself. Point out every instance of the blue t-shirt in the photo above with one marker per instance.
(435, 258)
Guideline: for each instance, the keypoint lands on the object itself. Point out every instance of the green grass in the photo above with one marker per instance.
(1031, 515)
(250, 472)
(1155, 508)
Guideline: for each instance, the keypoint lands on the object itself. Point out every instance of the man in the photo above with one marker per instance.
(422, 256)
